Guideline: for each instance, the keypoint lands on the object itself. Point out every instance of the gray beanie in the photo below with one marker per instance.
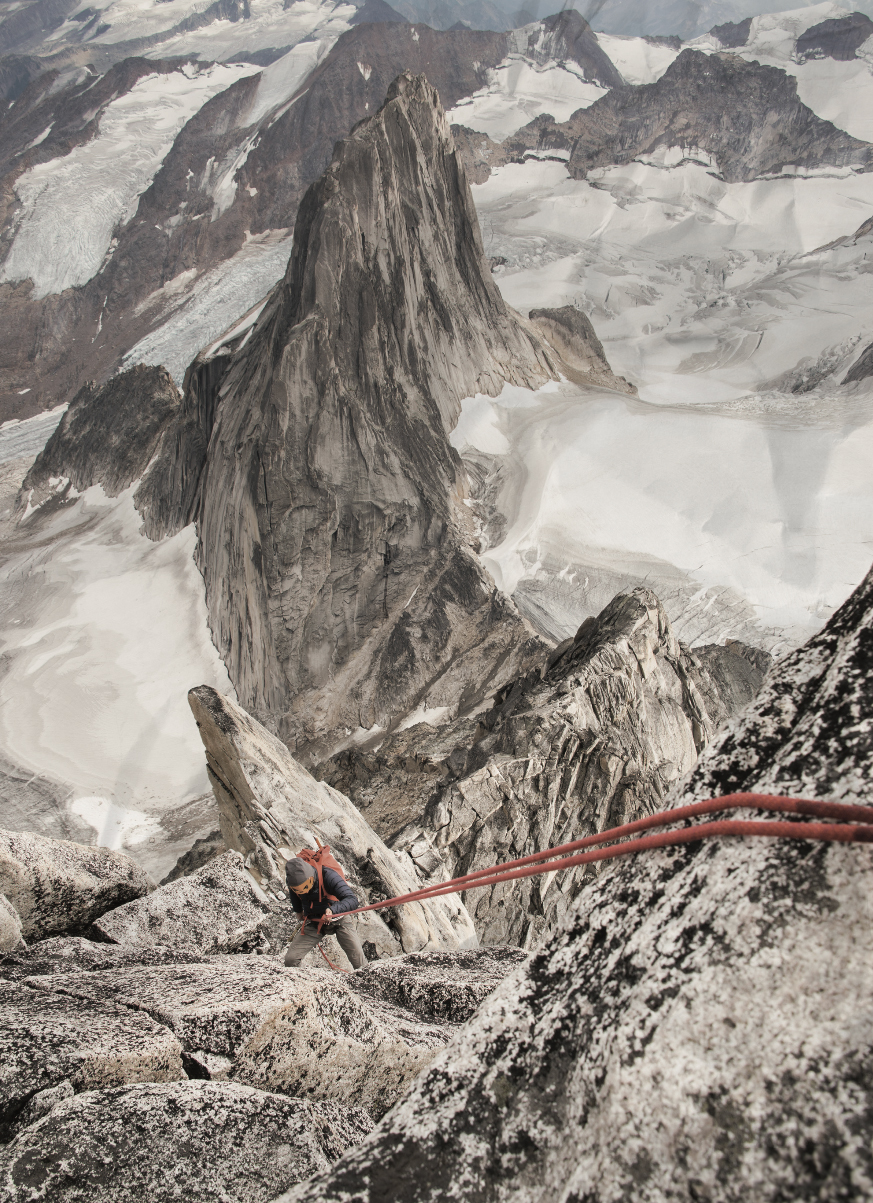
(297, 871)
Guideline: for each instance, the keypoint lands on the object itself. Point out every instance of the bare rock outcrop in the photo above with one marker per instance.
(838, 38)
(438, 987)
(808, 733)
(45, 1039)
(364, 1051)
(270, 807)
(107, 436)
(59, 887)
(701, 1028)
(10, 926)
(219, 908)
(75, 954)
(746, 117)
(211, 1007)
(569, 332)
(597, 735)
(161, 1141)
(196, 857)
(316, 458)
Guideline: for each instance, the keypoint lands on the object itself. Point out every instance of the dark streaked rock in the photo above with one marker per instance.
(205, 1140)
(596, 736)
(861, 368)
(700, 1028)
(838, 38)
(316, 459)
(569, 332)
(108, 435)
(195, 858)
(748, 117)
(732, 34)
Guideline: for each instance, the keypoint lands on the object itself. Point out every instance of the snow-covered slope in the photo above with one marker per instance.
(736, 484)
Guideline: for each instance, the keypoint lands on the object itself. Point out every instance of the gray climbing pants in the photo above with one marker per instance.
(307, 939)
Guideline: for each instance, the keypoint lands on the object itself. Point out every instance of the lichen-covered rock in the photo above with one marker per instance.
(75, 954)
(438, 987)
(596, 736)
(201, 1141)
(47, 1038)
(10, 927)
(270, 808)
(331, 1040)
(809, 731)
(702, 1028)
(213, 910)
(58, 887)
(213, 1006)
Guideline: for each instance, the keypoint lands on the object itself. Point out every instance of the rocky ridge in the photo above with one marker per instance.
(701, 1026)
(270, 807)
(744, 117)
(595, 735)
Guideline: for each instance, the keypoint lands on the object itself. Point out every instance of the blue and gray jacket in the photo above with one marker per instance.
(311, 907)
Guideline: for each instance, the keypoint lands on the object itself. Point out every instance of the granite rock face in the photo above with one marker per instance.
(75, 954)
(270, 808)
(10, 926)
(107, 436)
(45, 1040)
(59, 887)
(596, 736)
(157, 1141)
(702, 1027)
(196, 857)
(566, 37)
(839, 38)
(341, 584)
(808, 733)
(362, 1051)
(217, 909)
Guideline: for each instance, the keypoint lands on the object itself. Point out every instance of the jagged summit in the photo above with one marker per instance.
(745, 118)
(316, 459)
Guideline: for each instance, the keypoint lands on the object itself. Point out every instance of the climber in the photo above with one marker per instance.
(322, 912)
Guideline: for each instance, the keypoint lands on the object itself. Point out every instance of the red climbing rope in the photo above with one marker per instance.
(850, 824)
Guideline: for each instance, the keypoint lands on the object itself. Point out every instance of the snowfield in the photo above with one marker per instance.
(103, 633)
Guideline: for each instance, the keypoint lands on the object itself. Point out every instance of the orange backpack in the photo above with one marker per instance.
(321, 860)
